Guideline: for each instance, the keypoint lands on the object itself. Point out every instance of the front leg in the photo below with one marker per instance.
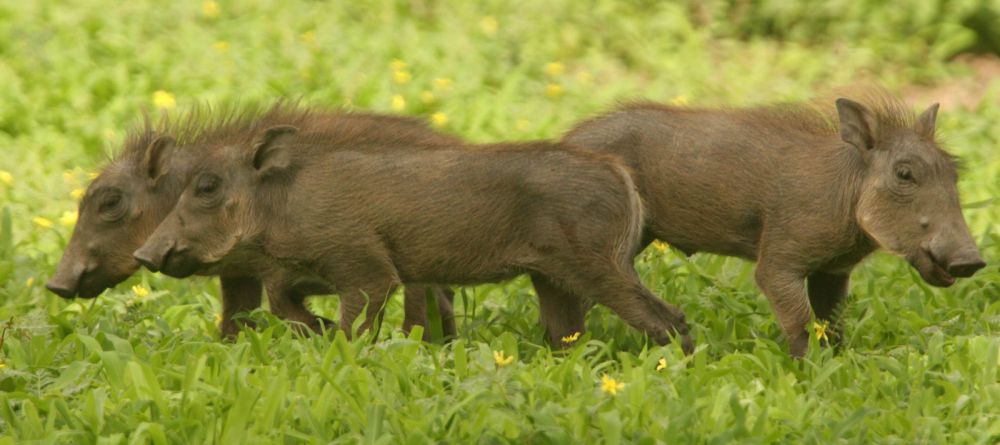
(827, 292)
(785, 289)
(288, 303)
(239, 294)
(364, 276)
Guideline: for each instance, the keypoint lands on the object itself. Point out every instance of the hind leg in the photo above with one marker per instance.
(563, 314)
(364, 277)
(288, 303)
(624, 294)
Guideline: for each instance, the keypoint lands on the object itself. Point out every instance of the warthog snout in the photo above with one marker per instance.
(153, 255)
(64, 283)
(965, 263)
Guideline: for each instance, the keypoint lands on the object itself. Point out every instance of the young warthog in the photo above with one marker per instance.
(784, 186)
(364, 220)
(133, 194)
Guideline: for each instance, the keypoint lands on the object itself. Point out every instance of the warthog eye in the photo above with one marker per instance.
(207, 185)
(111, 206)
(904, 174)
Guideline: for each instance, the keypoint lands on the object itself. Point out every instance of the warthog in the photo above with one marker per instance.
(137, 189)
(363, 220)
(788, 187)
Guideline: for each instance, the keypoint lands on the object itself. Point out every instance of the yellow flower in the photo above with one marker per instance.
(442, 83)
(164, 100)
(397, 65)
(427, 97)
(3, 365)
(820, 330)
(29, 281)
(571, 338)
(554, 69)
(308, 37)
(69, 176)
(109, 133)
(522, 124)
(140, 291)
(398, 103)
(610, 385)
(42, 222)
(221, 46)
(77, 193)
(68, 218)
(6, 177)
(401, 77)
(94, 175)
(439, 119)
(661, 365)
(660, 246)
(489, 25)
(210, 9)
(218, 319)
(679, 101)
(584, 78)
(554, 90)
(501, 359)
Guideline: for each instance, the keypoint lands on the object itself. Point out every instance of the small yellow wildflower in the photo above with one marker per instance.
(30, 281)
(611, 386)
(571, 338)
(210, 9)
(42, 222)
(140, 291)
(109, 133)
(3, 365)
(442, 83)
(489, 25)
(218, 319)
(501, 359)
(661, 365)
(660, 246)
(427, 97)
(439, 119)
(820, 330)
(584, 78)
(68, 218)
(6, 178)
(164, 100)
(554, 69)
(93, 175)
(522, 124)
(308, 37)
(398, 103)
(401, 77)
(679, 101)
(397, 65)
(221, 46)
(69, 176)
(554, 90)
(77, 193)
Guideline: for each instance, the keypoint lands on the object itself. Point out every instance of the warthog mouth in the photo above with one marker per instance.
(930, 270)
(180, 264)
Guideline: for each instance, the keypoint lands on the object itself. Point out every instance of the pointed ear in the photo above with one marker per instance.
(857, 124)
(926, 122)
(154, 162)
(268, 154)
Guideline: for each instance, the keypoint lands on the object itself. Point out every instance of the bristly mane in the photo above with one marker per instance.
(206, 126)
(818, 116)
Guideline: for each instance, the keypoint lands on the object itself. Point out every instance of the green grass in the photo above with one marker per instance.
(918, 364)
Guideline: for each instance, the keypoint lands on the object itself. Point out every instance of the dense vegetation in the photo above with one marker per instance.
(142, 363)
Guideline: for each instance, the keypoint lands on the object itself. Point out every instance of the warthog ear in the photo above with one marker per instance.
(926, 122)
(268, 155)
(857, 124)
(154, 162)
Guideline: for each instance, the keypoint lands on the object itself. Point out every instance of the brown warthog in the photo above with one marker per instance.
(787, 187)
(364, 220)
(137, 189)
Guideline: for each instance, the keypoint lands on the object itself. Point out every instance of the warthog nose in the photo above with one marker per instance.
(61, 289)
(965, 265)
(149, 259)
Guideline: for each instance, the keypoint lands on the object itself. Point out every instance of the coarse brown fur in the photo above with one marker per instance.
(806, 190)
(143, 181)
(365, 218)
